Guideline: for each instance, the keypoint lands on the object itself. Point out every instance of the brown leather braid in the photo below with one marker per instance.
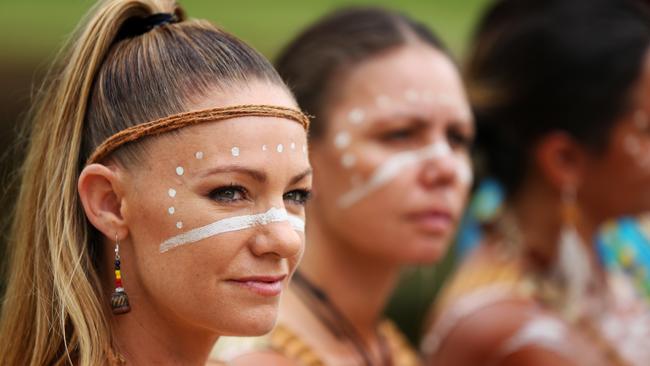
(177, 121)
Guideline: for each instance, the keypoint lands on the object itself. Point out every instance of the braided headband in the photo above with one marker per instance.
(176, 121)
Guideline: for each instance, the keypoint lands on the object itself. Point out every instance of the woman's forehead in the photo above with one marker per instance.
(249, 140)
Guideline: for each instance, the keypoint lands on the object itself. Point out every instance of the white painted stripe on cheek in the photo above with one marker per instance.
(297, 223)
(391, 169)
(232, 224)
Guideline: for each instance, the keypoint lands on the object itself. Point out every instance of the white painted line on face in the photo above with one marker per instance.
(391, 169)
(230, 224)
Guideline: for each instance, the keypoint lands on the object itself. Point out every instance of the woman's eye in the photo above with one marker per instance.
(228, 194)
(298, 197)
(459, 139)
(403, 134)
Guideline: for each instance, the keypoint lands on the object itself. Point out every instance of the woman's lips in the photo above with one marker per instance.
(268, 286)
(432, 221)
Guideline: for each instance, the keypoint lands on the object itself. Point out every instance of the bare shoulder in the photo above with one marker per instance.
(486, 337)
(269, 358)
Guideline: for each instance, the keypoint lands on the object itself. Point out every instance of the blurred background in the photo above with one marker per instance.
(32, 31)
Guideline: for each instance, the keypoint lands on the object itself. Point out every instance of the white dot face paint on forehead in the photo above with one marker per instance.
(234, 151)
(235, 223)
(179, 224)
(199, 155)
(171, 210)
(171, 192)
(356, 116)
(293, 146)
(180, 171)
(279, 148)
(264, 148)
(342, 140)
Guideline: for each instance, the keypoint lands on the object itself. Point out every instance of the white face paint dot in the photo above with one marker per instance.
(632, 145)
(234, 151)
(180, 170)
(199, 155)
(382, 101)
(171, 210)
(264, 148)
(171, 192)
(411, 96)
(293, 146)
(280, 148)
(348, 160)
(179, 224)
(342, 140)
(356, 116)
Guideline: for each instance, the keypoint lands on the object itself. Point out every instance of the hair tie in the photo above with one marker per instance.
(136, 25)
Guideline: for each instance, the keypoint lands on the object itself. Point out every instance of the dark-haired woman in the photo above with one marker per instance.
(161, 204)
(390, 149)
(561, 91)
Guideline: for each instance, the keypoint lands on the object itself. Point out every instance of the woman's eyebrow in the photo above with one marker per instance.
(258, 175)
(300, 176)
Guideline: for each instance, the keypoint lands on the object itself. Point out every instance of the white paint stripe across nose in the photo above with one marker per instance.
(233, 224)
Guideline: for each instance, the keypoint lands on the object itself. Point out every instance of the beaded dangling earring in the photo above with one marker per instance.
(573, 259)
(119, 299)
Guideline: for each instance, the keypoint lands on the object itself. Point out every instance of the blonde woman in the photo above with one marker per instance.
(162, 197)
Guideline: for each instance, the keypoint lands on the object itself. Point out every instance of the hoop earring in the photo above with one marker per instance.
(573, 258)
(119, 298)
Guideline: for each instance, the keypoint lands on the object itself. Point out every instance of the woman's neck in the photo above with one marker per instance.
(539, 221)
(145, 336)
(357, 284)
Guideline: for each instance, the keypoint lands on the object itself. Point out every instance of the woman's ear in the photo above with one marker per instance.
(561, 160)
(100, 196)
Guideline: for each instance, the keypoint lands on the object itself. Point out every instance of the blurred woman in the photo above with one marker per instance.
(167, 161)
(390, 148)
(561, 91)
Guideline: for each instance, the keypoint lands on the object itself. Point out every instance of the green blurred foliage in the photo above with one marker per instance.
(35, 28)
